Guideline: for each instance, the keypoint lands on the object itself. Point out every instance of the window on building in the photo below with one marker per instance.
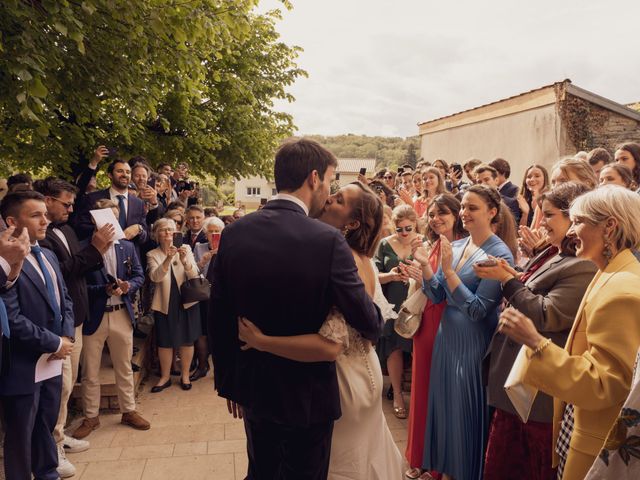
(253, 191)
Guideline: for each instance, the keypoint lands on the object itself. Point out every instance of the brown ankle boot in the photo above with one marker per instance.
(88, 425)
(134, 420)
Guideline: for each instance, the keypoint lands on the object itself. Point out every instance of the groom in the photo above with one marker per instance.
(284, 271)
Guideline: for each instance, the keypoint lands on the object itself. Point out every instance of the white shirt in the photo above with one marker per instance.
(62, 238)
(114, 196)
(291, 198)
(111, 266)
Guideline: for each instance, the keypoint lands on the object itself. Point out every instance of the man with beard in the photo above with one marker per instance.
(132, 217)
(284, 271)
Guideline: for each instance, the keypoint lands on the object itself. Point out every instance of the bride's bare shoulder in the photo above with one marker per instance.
(366, 272)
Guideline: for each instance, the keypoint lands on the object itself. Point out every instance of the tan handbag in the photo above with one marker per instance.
(410, 315)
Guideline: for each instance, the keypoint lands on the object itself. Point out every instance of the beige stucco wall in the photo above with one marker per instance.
(521, 138)
(266, 191)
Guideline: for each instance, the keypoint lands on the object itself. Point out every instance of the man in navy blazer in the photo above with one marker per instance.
(132, 217)
(111, 289)
(505, 187)
(284, 270)
(41, 321)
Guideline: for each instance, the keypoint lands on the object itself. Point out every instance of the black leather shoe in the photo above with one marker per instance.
(159, 388)
(185, 386)
(198, 374)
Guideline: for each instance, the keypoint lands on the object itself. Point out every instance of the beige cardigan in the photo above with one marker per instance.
(162, 279)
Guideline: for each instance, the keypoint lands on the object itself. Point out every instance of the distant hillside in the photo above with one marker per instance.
(388, 151)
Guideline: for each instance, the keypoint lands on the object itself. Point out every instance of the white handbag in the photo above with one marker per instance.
(410, 315)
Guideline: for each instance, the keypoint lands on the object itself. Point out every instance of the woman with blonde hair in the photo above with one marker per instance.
(573, 170)
(393, 251)
(433, 183)
(590, 377)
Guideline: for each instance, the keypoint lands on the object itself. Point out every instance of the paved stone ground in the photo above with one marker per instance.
(192, 436)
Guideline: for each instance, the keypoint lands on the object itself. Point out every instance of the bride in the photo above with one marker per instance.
(362, 446)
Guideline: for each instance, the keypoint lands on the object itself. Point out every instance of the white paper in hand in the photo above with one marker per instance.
(46, 369)
(521, 395)
(105, 216)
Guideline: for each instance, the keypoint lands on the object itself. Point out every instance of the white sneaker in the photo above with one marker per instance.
(73, 445)
(65, 467)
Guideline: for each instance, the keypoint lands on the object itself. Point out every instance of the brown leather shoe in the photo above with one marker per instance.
(134, 420)
(88, 425)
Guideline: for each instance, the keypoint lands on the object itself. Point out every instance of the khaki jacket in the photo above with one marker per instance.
(594, 370)
(162, 279)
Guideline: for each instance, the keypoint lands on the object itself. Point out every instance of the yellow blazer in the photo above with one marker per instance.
(162, 279)
(594, 370)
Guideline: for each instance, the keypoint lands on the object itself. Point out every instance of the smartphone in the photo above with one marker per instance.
(215, 240)
(486, 263)
(177, 239)
(400, 170)
(112, 281)
(337, 176)
(363, 171)
(113, 152)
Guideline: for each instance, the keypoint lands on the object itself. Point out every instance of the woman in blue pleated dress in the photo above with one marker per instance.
(457, 418)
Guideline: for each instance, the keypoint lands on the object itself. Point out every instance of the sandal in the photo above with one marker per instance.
(400, 412)
(413, 473)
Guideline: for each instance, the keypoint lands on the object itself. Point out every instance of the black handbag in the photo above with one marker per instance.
(195, 290)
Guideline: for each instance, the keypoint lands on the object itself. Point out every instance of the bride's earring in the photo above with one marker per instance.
(345, 231)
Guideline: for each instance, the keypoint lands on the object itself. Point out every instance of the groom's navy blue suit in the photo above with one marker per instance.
(283, 271)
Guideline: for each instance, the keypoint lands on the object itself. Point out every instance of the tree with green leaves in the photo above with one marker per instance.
(172, 80)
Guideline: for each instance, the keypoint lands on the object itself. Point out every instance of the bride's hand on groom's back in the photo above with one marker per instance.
(249, 334)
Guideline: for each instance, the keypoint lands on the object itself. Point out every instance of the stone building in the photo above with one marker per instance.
(540, 126)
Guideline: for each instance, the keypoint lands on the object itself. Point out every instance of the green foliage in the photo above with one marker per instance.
(388, 151)
(173, 80)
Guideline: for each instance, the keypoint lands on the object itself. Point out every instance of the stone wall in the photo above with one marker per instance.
(588, 126)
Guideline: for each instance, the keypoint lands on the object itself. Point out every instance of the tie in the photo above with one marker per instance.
(37, 252)
(4, 320)
(122, 216)
(194, 237)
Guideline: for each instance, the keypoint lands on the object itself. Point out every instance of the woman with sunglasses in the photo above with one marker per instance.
(395, 286)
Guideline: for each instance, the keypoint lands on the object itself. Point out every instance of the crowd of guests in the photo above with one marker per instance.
(70, 287)
(552, 265)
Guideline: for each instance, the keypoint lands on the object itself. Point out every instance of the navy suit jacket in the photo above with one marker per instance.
(283, 271)
(135, 215)
(34, 329)
(509, 190)
(129, 269)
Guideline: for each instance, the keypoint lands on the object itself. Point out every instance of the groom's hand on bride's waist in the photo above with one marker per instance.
(234, 409)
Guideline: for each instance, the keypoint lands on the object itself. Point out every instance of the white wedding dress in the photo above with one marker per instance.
(362, 447)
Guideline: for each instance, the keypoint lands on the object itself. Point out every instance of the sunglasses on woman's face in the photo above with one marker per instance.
(388, 177)
(407, 229)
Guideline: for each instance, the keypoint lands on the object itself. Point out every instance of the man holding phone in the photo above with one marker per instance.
(111, 292)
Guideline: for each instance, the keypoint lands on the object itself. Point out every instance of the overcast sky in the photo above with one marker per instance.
(378, 67)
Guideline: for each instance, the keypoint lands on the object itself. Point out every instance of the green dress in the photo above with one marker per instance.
(395, 293)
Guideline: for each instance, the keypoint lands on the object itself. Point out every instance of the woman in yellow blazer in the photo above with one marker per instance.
(177, 325)
(590, 378)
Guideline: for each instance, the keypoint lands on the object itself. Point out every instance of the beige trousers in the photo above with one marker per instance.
(117, 331)
(69, 377)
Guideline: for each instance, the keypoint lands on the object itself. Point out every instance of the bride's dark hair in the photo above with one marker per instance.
(368, 210)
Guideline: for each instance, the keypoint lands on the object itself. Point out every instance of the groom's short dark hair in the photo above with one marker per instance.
(296, 159)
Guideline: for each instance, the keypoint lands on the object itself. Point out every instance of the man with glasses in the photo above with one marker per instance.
(75, 262)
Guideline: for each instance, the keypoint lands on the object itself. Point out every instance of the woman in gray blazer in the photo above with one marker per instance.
(549, 292)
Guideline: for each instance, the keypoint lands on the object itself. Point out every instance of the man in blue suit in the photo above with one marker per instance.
(111, 316)
(131, 216)
(40, 316)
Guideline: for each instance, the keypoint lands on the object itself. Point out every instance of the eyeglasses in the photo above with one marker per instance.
(67, 206)
(388, 177)
(407, 229)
